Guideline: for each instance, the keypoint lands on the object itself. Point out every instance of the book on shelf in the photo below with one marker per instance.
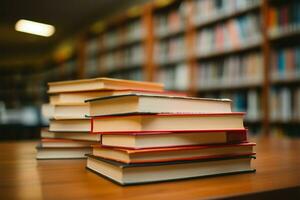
(163, 154)
(137, 173)
(242, 32)
(124, 58)
(284, 18)
(167, 122)
(282, 104)
(247, 101)
(158, 139)
(143, 103)
(169, 22)
(245, 70)
(285, 64)
(213, 10)
(101, 84)
(85, 136)
(175, 77)
(169, 51)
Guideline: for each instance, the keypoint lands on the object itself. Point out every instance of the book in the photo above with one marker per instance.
(80, 97)
(167, 122)
(172, 153)
(71, 111)
(101, 84)
(231, 71)
(45, 133)
(140, 103)
(170, 139)
(45, 143)
(62, 152)
(70, 125)
(138, 173)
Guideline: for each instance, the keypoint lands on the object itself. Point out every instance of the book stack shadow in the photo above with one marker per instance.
(151, 138)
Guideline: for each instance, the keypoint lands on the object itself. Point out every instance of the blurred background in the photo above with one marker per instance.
(245, 50)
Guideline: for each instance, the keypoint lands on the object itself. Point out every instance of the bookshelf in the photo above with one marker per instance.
(246, 50)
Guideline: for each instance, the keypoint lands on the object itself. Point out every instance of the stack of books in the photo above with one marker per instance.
(151, 138)
(68, 134)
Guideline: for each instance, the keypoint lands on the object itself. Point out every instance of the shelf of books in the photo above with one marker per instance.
(212, 48)
(118, 50)
(284, 32)
(229, 55)
(170, 54)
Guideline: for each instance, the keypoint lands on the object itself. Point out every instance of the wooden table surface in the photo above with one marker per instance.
(23, 177)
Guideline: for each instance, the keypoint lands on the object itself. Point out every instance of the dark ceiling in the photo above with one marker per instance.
(68, 17)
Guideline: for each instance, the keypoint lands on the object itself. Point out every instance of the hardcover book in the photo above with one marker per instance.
(141, 140)
(142, 103)
(138, 173)
(167, 122)
(101, 84)
(168, 154)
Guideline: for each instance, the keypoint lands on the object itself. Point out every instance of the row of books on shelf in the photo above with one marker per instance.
(285, 104)
(169, 22)
(124, 58)
(168, 51)
(142, 134)
(243, 101)
(126, 34)
(210, 10)
(285, 63)
(236, 33)
(284, 18)
(244, 70)
(174, 77)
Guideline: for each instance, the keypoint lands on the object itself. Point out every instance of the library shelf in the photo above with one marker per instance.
(169, 34)
(239, 86)
(121, 45)
(220, 17)
(221, 53)
(288, 32)
(285, 122)
(285, 80)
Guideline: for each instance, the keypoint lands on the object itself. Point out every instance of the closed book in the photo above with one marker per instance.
(135, 103)
(80, 97)
(45, 153)
(101, 84)
(70, 125)
(57, 143)
(71, 111)
(84, 136)
(171, 139)
(167, 122)
(138, 173)
(167, 154)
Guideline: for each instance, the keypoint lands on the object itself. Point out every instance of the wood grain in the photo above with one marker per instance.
(22, 177)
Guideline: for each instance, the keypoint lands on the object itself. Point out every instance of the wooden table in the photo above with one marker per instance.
(22, 177)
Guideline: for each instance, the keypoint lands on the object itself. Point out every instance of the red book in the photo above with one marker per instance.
(173, 153)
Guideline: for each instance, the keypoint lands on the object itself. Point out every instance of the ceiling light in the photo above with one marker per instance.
(35, 28)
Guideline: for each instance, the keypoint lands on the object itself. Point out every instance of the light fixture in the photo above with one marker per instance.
(35, 28)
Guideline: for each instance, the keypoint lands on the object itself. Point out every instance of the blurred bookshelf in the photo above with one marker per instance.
(246, 50)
